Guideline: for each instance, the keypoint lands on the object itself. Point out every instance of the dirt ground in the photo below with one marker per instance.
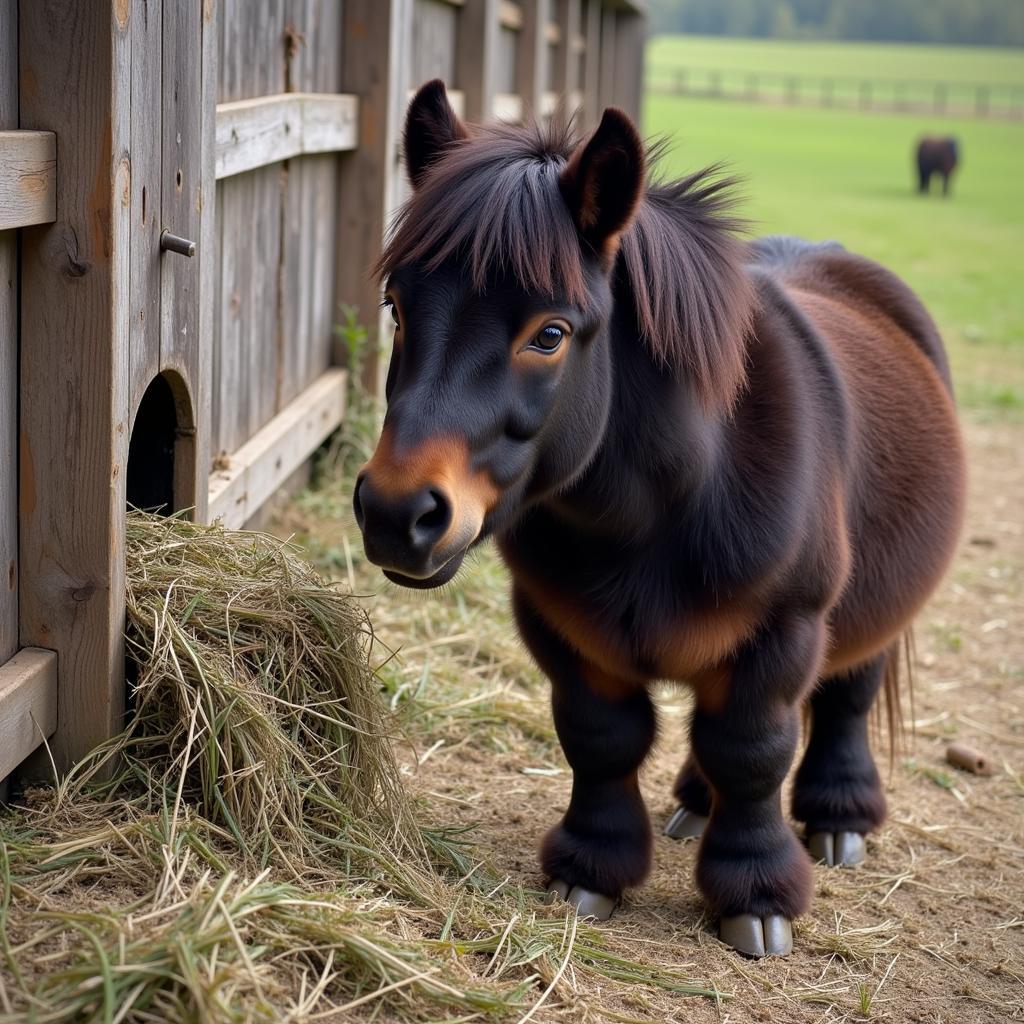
(931, 928)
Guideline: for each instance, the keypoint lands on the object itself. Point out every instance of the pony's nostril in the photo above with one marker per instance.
(434, 516)
(357, 504)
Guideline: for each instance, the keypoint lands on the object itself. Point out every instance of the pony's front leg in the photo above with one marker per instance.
(606, 728)
(753, 872)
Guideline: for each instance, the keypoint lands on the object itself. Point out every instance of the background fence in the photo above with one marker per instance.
(894, 95)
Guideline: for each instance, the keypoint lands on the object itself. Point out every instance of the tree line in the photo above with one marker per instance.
(979, 22)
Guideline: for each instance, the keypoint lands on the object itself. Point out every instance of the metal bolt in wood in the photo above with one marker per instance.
(175, 243)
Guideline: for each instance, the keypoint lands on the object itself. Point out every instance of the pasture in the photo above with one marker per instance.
(930, 928)
(849, 176)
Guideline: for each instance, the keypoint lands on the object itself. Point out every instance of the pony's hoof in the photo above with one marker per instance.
(587, 903)
(686, 824)
(757, 936)
(837, 849)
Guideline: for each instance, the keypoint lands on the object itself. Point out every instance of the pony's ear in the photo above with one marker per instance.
(604, 179)
(430, 126)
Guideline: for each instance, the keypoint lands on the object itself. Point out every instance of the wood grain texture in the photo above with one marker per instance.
(504, 74)
(28, 178)
(257, 132)
(531, 57)
(375, 66)
(627, 90)
(565, 77)
(591, 110)
(28, 696)
(265, 461)
(8, 356)
(476, 58)
(434, 26)
(74, 378)
(145, 214)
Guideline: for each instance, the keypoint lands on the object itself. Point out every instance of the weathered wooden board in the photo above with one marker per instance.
(257, 132)
(8, 356)
(504, 73)
(375, 63)
(252, 474)
(73, 377)
(434, 26)
(145, 215)
(28, 178)
(591, 17)
(531, 56)
(476, 57)
(278, 127)
(28, 697)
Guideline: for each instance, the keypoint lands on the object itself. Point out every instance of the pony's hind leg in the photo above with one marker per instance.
(837, 792)
(751, 868)
(694, 796)
(606, 728)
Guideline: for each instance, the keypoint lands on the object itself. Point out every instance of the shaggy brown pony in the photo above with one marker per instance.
(735, 466)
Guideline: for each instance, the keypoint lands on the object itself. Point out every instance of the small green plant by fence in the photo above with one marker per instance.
(891, 95)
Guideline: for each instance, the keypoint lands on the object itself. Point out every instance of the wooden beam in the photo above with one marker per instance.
(264, 462)
(476, 57)
(566, 78)
(28, 696)
(630, 30)
(254, 133)
(8, 356)
(531, 56)
(28, 179)
(75, 421)
(591, 111)
(375, 66)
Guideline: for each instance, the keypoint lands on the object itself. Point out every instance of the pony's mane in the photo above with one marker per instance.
(494, 202)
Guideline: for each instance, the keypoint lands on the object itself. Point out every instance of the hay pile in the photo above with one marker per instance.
(245, 851)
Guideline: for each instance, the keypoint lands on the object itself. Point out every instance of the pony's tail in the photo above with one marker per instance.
(892, 695)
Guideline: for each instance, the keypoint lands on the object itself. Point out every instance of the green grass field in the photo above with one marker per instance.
(847, 175)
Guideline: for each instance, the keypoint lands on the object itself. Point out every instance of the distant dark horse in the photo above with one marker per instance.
(936, 156)
(736, 467)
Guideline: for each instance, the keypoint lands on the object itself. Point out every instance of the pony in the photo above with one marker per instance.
(732, 465)
(936, 156)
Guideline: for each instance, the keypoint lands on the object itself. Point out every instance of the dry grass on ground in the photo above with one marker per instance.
(930, 929)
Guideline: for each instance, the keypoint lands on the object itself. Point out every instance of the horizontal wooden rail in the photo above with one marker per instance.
(28, 705)
(254, 133)
(274, 452)
(28, 179)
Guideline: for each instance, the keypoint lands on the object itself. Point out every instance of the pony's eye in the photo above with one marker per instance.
(549, 339)
(394, 314)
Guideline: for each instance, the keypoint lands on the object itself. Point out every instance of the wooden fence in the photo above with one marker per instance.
(892, 95)
(189, 189)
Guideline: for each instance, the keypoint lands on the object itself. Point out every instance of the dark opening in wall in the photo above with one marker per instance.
(161, 452)
(150, 483)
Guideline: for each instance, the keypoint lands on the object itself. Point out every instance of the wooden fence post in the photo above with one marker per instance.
(476, 57)
(75, 420)
(531, 58)
(567, 58)
(374, 67)
(8, 356)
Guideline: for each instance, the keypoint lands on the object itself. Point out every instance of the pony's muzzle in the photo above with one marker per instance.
(420, 507)
(401, 531)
